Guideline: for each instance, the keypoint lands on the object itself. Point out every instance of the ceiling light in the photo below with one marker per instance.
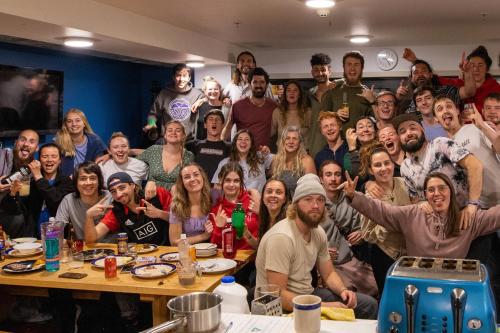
(359, 39)
(320, 3)
(78, 42)
(195, 64)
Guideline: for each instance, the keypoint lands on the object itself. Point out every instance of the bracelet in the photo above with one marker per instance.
(474, 202)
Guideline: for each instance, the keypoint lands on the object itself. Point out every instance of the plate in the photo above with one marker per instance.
(89, 255)
(153, 271)
(25, 240)
(120, 261)
(16, 254)
(22, 266)
(205, 254)
(170, 256)
(27, 248)
(216, 266)
(145, 248)
(205, 246)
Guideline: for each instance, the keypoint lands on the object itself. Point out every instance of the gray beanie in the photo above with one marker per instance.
(307, 185)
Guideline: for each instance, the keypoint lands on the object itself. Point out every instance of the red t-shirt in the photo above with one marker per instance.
(164, 196)
(257, 119)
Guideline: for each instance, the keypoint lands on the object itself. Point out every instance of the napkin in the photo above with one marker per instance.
(329, 313)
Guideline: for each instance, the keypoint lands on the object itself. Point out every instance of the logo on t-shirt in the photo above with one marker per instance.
(129, 223)
(146, 230)
(179, 109)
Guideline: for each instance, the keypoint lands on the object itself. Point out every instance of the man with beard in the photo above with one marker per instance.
(143, 224)
(320, 71)
(175, 103)
(47, 188)
(421, 75)
(440, 155)
(351, 93)
(240, 86)
(296, 245)
(255, 112)
(423, 97)
(23, 153)
(476, 138)
(491, 111)
(335, 148)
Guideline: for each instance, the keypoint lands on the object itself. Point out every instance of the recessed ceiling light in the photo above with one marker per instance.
(81, 42)
(320, 3)
(195, 64)
(359, 39)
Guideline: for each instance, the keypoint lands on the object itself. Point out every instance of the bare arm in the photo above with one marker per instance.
(308, 165)
(281, 280)
(469, 87)
(334, 283)
(95, 232)
(226, 131)
(474, 169)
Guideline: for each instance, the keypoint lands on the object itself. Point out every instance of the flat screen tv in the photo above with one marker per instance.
(30, 98)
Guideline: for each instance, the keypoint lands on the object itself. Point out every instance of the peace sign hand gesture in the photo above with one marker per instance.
(368, 94)
(99, 208)
(350, 186)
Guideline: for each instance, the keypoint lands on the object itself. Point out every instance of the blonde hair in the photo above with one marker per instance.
(117, 135)
(63, 138)
(279, 163)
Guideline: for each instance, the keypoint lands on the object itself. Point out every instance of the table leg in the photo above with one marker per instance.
(159, 307)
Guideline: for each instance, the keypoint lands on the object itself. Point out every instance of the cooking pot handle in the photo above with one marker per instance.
(180, 321)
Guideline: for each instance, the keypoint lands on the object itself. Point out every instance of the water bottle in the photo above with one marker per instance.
(52, 249)
(238, 218)
(234, 296)
(185, 272)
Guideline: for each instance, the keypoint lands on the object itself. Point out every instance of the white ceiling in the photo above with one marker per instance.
(170, 31)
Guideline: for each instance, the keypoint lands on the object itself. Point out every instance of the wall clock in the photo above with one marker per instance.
(387, 59)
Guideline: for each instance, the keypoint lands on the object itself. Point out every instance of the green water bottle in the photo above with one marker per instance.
(238, 219)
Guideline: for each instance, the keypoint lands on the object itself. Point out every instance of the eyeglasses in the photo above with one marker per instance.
(440, 188)
(388, 103)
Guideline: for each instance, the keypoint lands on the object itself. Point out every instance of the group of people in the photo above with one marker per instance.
(337, 182)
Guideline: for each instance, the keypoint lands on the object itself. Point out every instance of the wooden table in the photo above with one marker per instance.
(157, 291)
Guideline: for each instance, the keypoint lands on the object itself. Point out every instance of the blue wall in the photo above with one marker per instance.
(114, 95)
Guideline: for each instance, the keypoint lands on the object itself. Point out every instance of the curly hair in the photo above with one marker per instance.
(365, 155)
(181, 205)
(253, 160)
(280, 160)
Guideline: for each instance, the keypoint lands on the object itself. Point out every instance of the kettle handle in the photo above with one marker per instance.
(180, 321)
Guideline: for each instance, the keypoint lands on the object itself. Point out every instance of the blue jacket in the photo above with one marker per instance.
(95, 148)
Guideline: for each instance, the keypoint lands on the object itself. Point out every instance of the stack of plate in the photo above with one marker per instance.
(205, 249)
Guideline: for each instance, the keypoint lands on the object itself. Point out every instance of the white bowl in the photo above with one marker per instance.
(27, 247)
(25, 240)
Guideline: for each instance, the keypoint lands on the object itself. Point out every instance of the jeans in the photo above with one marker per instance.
(366, 307)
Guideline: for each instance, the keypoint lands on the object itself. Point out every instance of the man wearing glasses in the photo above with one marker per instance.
(384, 108)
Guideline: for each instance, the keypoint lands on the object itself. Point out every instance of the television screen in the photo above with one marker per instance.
(30, 98)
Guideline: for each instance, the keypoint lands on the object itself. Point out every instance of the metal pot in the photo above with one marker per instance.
(194, 313)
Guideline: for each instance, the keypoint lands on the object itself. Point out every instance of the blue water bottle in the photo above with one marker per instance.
(52, 249)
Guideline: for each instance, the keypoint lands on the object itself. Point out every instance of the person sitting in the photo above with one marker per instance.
(294, 246)
(190, 206)
(89, 189)
(292, 161)
(387, 246)
(47, 189)
(291, 112)
(166, 160)
(254, 163)
(233, 191)
(77, 141)
(440, 234)
(336, 147)
(146, 224)
(343, 231)
(119, 149)
(211, 150)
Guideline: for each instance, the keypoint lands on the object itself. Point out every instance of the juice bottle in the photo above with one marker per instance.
(52, 249)
(228, 235)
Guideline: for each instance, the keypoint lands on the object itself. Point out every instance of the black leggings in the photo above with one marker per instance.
(381, 263)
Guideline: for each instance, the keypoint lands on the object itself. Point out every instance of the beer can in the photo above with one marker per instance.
(122, 243)
(110, 267)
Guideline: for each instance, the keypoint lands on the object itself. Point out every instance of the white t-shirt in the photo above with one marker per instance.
(472, 139)
(137, 169)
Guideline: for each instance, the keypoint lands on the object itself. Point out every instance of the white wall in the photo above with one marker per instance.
(444, 59)
(221, 72)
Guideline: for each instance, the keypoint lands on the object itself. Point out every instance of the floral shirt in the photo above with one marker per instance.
(440, 155)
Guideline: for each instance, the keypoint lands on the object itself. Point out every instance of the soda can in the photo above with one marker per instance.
(110, 267)
(122, 243)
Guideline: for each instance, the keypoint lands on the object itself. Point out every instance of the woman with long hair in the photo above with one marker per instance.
(438, 234)
(77, 141)
(254, 163)
(165, 161)
(273, 205)
(292, 112)
(233, 191)
(292, 161)
(190, 206)
(387, 246)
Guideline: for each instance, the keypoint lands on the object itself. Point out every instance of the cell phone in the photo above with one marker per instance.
(69, 275)
(126, 268)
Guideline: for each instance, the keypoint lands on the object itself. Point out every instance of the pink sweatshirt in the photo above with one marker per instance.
(425, 233)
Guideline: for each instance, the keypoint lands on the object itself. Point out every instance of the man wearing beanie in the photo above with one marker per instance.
(293, 247)
(143, 221)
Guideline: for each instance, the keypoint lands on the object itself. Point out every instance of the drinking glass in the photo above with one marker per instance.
(76, 260)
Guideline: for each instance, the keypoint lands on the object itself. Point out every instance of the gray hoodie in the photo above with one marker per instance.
(341, 220)
(173, 105)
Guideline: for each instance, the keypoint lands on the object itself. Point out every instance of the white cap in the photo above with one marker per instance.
(183, 236)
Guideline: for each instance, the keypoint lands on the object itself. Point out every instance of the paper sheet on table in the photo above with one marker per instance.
(255, 324)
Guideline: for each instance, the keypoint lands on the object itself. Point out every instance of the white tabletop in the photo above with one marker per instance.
(267, 324)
